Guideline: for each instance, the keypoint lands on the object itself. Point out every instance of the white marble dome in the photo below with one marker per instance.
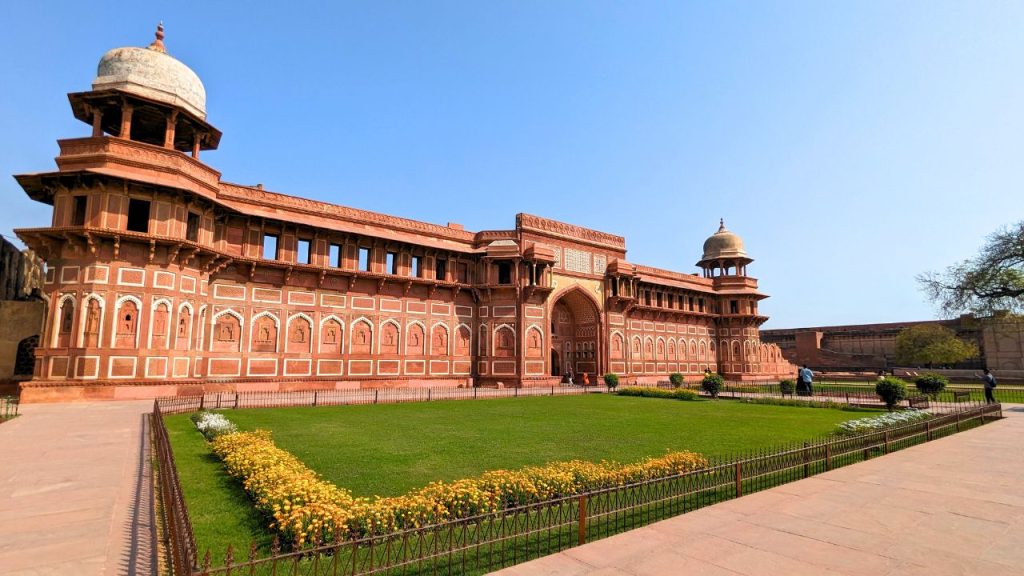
(151, 73)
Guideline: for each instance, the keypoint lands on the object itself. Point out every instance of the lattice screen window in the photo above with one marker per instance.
(600, 263)
(577, 261)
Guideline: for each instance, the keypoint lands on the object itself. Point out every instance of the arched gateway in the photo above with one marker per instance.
(575, 346)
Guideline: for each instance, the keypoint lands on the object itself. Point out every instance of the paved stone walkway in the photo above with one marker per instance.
(953, 506)
(74, 490)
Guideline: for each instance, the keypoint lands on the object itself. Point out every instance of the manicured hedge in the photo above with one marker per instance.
(678, 394)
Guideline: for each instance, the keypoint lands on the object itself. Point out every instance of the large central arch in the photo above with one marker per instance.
(575, 343)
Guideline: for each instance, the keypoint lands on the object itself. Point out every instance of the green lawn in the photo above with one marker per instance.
(390, 449)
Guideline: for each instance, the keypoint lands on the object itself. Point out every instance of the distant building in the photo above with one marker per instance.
(870, 347)
(164, 279)
(22, 311)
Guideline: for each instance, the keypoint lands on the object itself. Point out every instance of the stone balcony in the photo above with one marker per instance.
(138, 161)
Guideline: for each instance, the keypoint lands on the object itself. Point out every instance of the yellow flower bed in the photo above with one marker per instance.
(307, 509)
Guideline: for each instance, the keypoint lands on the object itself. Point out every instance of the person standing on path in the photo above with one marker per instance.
(990, 384)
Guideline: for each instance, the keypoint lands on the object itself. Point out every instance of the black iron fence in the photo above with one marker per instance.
(492, 541)
(234, 400)
(856, 393)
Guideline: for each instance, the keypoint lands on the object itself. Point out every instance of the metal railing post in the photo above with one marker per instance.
(885, 442)
(739, 479)
(375, 393)
(316, 394)
(583, 520)
(807, 461)
(928, 429)
(828, 457)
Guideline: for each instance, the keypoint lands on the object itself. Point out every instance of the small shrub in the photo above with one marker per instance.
(931, 384)
(787, 387)
(676, 379)
(712, 384)
(611, 380)
(891, 390)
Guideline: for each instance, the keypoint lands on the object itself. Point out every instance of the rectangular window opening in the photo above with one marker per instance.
(334, 256)
(78, 218)
(504, 273)
(270, 247)
(734, 307)
(417, 261)
(302, 256)
(138, 215)
(192, 227)
(364, 259)
(441, 269)
(391, 263)
(463, 273)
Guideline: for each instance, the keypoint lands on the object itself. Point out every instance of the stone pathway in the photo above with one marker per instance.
(74, 490)
(953, 506)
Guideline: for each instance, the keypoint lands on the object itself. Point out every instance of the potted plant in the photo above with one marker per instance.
(611, 380)
(787, 386)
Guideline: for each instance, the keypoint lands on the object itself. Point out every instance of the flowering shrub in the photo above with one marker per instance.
(213, 424)
(866, 425)
(306, 509)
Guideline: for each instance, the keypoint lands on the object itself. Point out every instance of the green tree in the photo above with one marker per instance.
(930, 345)
(990, 282)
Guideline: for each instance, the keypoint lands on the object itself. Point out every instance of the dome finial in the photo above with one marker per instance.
(158, 44)
(721, 224)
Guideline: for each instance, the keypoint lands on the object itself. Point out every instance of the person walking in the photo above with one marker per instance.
(990, 384)
(805, 384)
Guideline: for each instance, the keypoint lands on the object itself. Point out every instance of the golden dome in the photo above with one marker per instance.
(723, 245)
(151, 73)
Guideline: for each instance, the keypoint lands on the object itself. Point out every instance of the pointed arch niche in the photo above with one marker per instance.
(575, 343)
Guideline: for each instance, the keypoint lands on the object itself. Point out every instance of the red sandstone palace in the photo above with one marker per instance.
(163, 279)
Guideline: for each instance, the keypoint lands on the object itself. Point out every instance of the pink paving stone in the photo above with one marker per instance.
(74, 491)
(950, 507)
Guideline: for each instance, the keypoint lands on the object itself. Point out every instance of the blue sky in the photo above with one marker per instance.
(853, 145)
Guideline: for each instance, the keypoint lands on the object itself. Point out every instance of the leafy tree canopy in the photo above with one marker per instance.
(930, 345)
(990, 282)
